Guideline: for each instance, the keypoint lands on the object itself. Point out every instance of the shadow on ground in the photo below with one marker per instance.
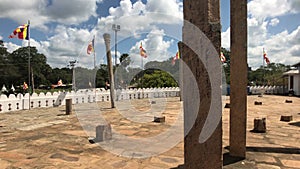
(297, 124)
(227, 160)
(274, 150)
(179, 167)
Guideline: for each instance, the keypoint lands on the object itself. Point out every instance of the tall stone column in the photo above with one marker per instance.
(238, 78)
(180, 46)
(205, 16)
(106, 37)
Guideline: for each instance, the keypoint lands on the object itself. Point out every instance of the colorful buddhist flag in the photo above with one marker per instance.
(143, 51)
(173, 61)
(22, 32)
(59, 83)
(90, 47)
(25, 86)
(265, 57)
(223, 58)
(176, 57)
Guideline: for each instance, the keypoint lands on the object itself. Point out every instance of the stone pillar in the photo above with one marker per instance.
(238, 78)
(180, 46)
(68, 106)
(205, 15)
(106, 37)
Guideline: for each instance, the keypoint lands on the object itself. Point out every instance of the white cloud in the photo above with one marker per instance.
(11, 46)
(282, 47)
(41, 12)
(146, 16)
(274, 22)
(79, 11)
(262, 9)
(67, 44)
(170, 7)
(155, 46)
(225, 39)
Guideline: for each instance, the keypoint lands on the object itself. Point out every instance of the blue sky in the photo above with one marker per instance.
(61, 29)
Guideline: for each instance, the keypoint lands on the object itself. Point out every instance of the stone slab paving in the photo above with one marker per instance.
(46, 138)
(279, 147)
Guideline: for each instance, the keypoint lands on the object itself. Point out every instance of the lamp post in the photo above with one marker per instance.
(72, 64)
(116, 28)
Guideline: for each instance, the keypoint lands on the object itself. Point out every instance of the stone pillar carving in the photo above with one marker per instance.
(204, 15)
(238, 78)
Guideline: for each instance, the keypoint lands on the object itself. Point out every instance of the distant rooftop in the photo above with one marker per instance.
(291, 72)
(296, 65)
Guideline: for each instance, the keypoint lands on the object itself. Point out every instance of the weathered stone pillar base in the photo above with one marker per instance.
(68, 106)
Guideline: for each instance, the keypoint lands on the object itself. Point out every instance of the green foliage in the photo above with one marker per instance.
(14, 71)
(269, 75)
(156, 78)
(226, 65)
(125, 60)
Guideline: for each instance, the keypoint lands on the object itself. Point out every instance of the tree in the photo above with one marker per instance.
(101, 76)
(125, 60)
(269, 75)
(156, 78)
(19, 70)
(226, 65)
(5, 67)
(65, 74)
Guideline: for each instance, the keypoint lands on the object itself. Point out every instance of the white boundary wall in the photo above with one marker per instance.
(20, 102)
(276, 90)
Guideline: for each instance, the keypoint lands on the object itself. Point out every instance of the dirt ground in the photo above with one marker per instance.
(47, 138)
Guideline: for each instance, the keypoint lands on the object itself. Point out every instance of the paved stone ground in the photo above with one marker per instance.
(46, 138)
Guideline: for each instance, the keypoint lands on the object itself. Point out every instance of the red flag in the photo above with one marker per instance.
(22, 32)
(265, 57)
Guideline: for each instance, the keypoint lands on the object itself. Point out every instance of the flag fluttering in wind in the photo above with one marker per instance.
(265, 57)
(22, 32)
(90, 47)
(25, 86)
(176, 57)
(59, 83)
(223, 58)
(12, 88)
(143, 51)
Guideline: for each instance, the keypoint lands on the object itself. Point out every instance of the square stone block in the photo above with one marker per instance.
(159, 119)
(286, 118)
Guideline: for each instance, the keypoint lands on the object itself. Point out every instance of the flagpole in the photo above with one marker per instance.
(142, 72)
(29, 67)
(263, 59)
(94, 54)
(95, 70)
